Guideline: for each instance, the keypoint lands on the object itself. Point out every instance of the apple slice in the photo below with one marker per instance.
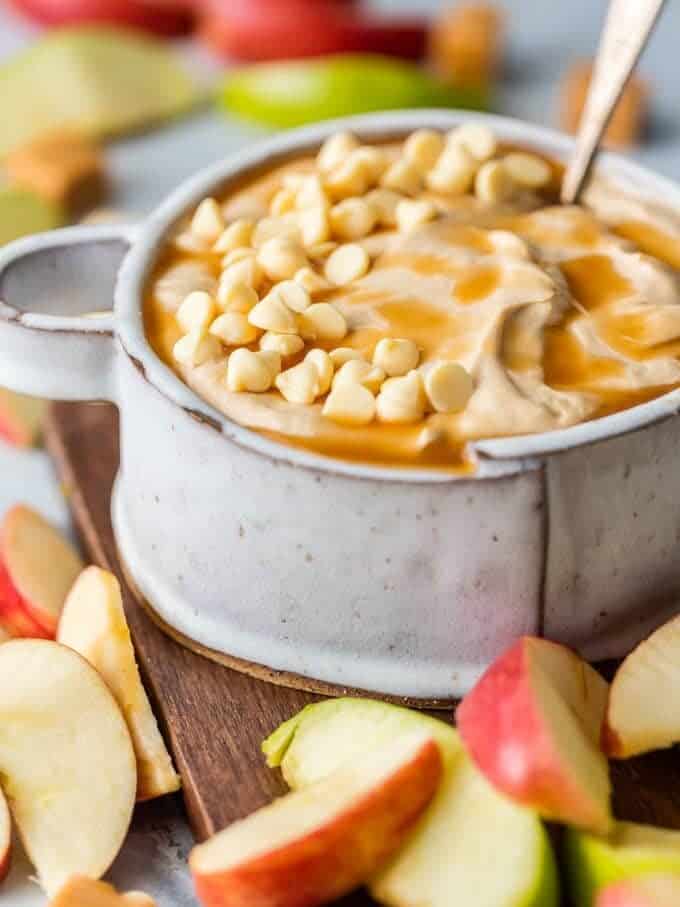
(631, 851)
(93, 623)
(21, 418)
(161, 19)
(656, 891)
(40, 567)
(317, 844)
(638, 718)
(533, 724)
(22, 213)
(5, 837)
(472, 846)
(80, 891)
(66, 760)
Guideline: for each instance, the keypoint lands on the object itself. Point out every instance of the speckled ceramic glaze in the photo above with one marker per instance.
(399, 581)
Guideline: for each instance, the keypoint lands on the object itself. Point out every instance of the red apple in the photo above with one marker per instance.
(37, 569)
(655, 891)
(5, 838)
(315, 845)
(156, 16)
(533, 724)
(259, 30)
(20, 418)
(80, 891)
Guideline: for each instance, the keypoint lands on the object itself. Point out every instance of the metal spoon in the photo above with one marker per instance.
(626, 31)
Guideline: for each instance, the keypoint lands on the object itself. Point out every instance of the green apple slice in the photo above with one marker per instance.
(100, 80)
(23, 212)
(473, 846)
(294, 93)
(631, 851)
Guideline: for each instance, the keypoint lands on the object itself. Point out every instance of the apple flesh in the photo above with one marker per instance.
(5, 838)
(39, 568)
(318, 844)
(643, 713)
(630, 852)
(93, 623)
(66, 760)
(21, 418)
(656, 891)
(80, 891)
(533, 725)
(472, 846)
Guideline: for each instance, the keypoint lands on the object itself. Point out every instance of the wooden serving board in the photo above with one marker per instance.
(215, 717)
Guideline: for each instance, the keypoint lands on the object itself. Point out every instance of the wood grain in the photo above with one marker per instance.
(214, 717)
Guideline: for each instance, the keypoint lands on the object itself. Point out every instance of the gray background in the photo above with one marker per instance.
(544, 36)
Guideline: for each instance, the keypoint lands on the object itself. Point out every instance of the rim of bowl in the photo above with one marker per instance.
(495, 457)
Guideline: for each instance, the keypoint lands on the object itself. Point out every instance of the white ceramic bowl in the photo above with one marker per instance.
(405, 582)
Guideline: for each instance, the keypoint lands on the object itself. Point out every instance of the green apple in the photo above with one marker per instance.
(472, 846)
(295, 93)
(631, 851)
(23, 212)
(99, 80)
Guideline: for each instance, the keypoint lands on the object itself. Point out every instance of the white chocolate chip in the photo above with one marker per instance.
(292, 295)
(352, 218)
(527, 169)
(476, 138)
(402, 176)
(195, 348)
(280, 258)
(285, 226)
(374, 159)
(352, 177)
(236, 297)
(423, 147)
(414, 213)
(283, 202)
(453, 173)
(240, 253)
(272, 359)
(448, 387)
(312, 282)
(271, 314)
(299, 384)
(347, 263)
(246, 270)
(196, 312)
(358, 371)
(248, 371)
(384, 202)
(508, 243)
(322, 321)
(321, 250)
(190, 242)
(285, 345)
(396, 356)
(234, 329)
(323, 363)
(344, 354)
(314, 226)
(335, 150)
(208, 222)
(493, 183)
(350, 404)
(402, 399)
(311, 193)
(235, 236)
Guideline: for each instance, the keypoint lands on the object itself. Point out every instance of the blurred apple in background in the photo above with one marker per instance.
(160, 17)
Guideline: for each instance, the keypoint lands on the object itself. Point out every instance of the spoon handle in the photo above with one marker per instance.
(627, 28)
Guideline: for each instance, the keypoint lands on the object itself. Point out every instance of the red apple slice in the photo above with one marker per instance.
(21, 418)
(657, 891)
(14, 618)
(40, 567)
(80, 891)
(317, 844)
(5, 838)
(93, 623)
(164, 19)
(66, 760)
(644, 701)
(533, 724)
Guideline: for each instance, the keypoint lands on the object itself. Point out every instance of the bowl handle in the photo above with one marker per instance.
(51, 343)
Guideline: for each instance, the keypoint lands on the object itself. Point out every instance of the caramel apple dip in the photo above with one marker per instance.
(389, 303)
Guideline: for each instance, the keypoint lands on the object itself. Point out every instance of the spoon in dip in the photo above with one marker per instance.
(627, 28)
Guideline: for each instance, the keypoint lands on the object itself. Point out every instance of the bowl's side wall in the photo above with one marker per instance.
(613, 571)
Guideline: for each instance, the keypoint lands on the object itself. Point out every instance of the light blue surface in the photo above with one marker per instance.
(544, 38)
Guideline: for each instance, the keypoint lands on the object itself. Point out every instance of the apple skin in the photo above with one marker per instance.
(158, 18)
(655, 891)
(339, 854)
(14, 618)
(5, 838)
(505, 730)
(20, 418)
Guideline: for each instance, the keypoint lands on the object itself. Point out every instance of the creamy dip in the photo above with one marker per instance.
(558, 314)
